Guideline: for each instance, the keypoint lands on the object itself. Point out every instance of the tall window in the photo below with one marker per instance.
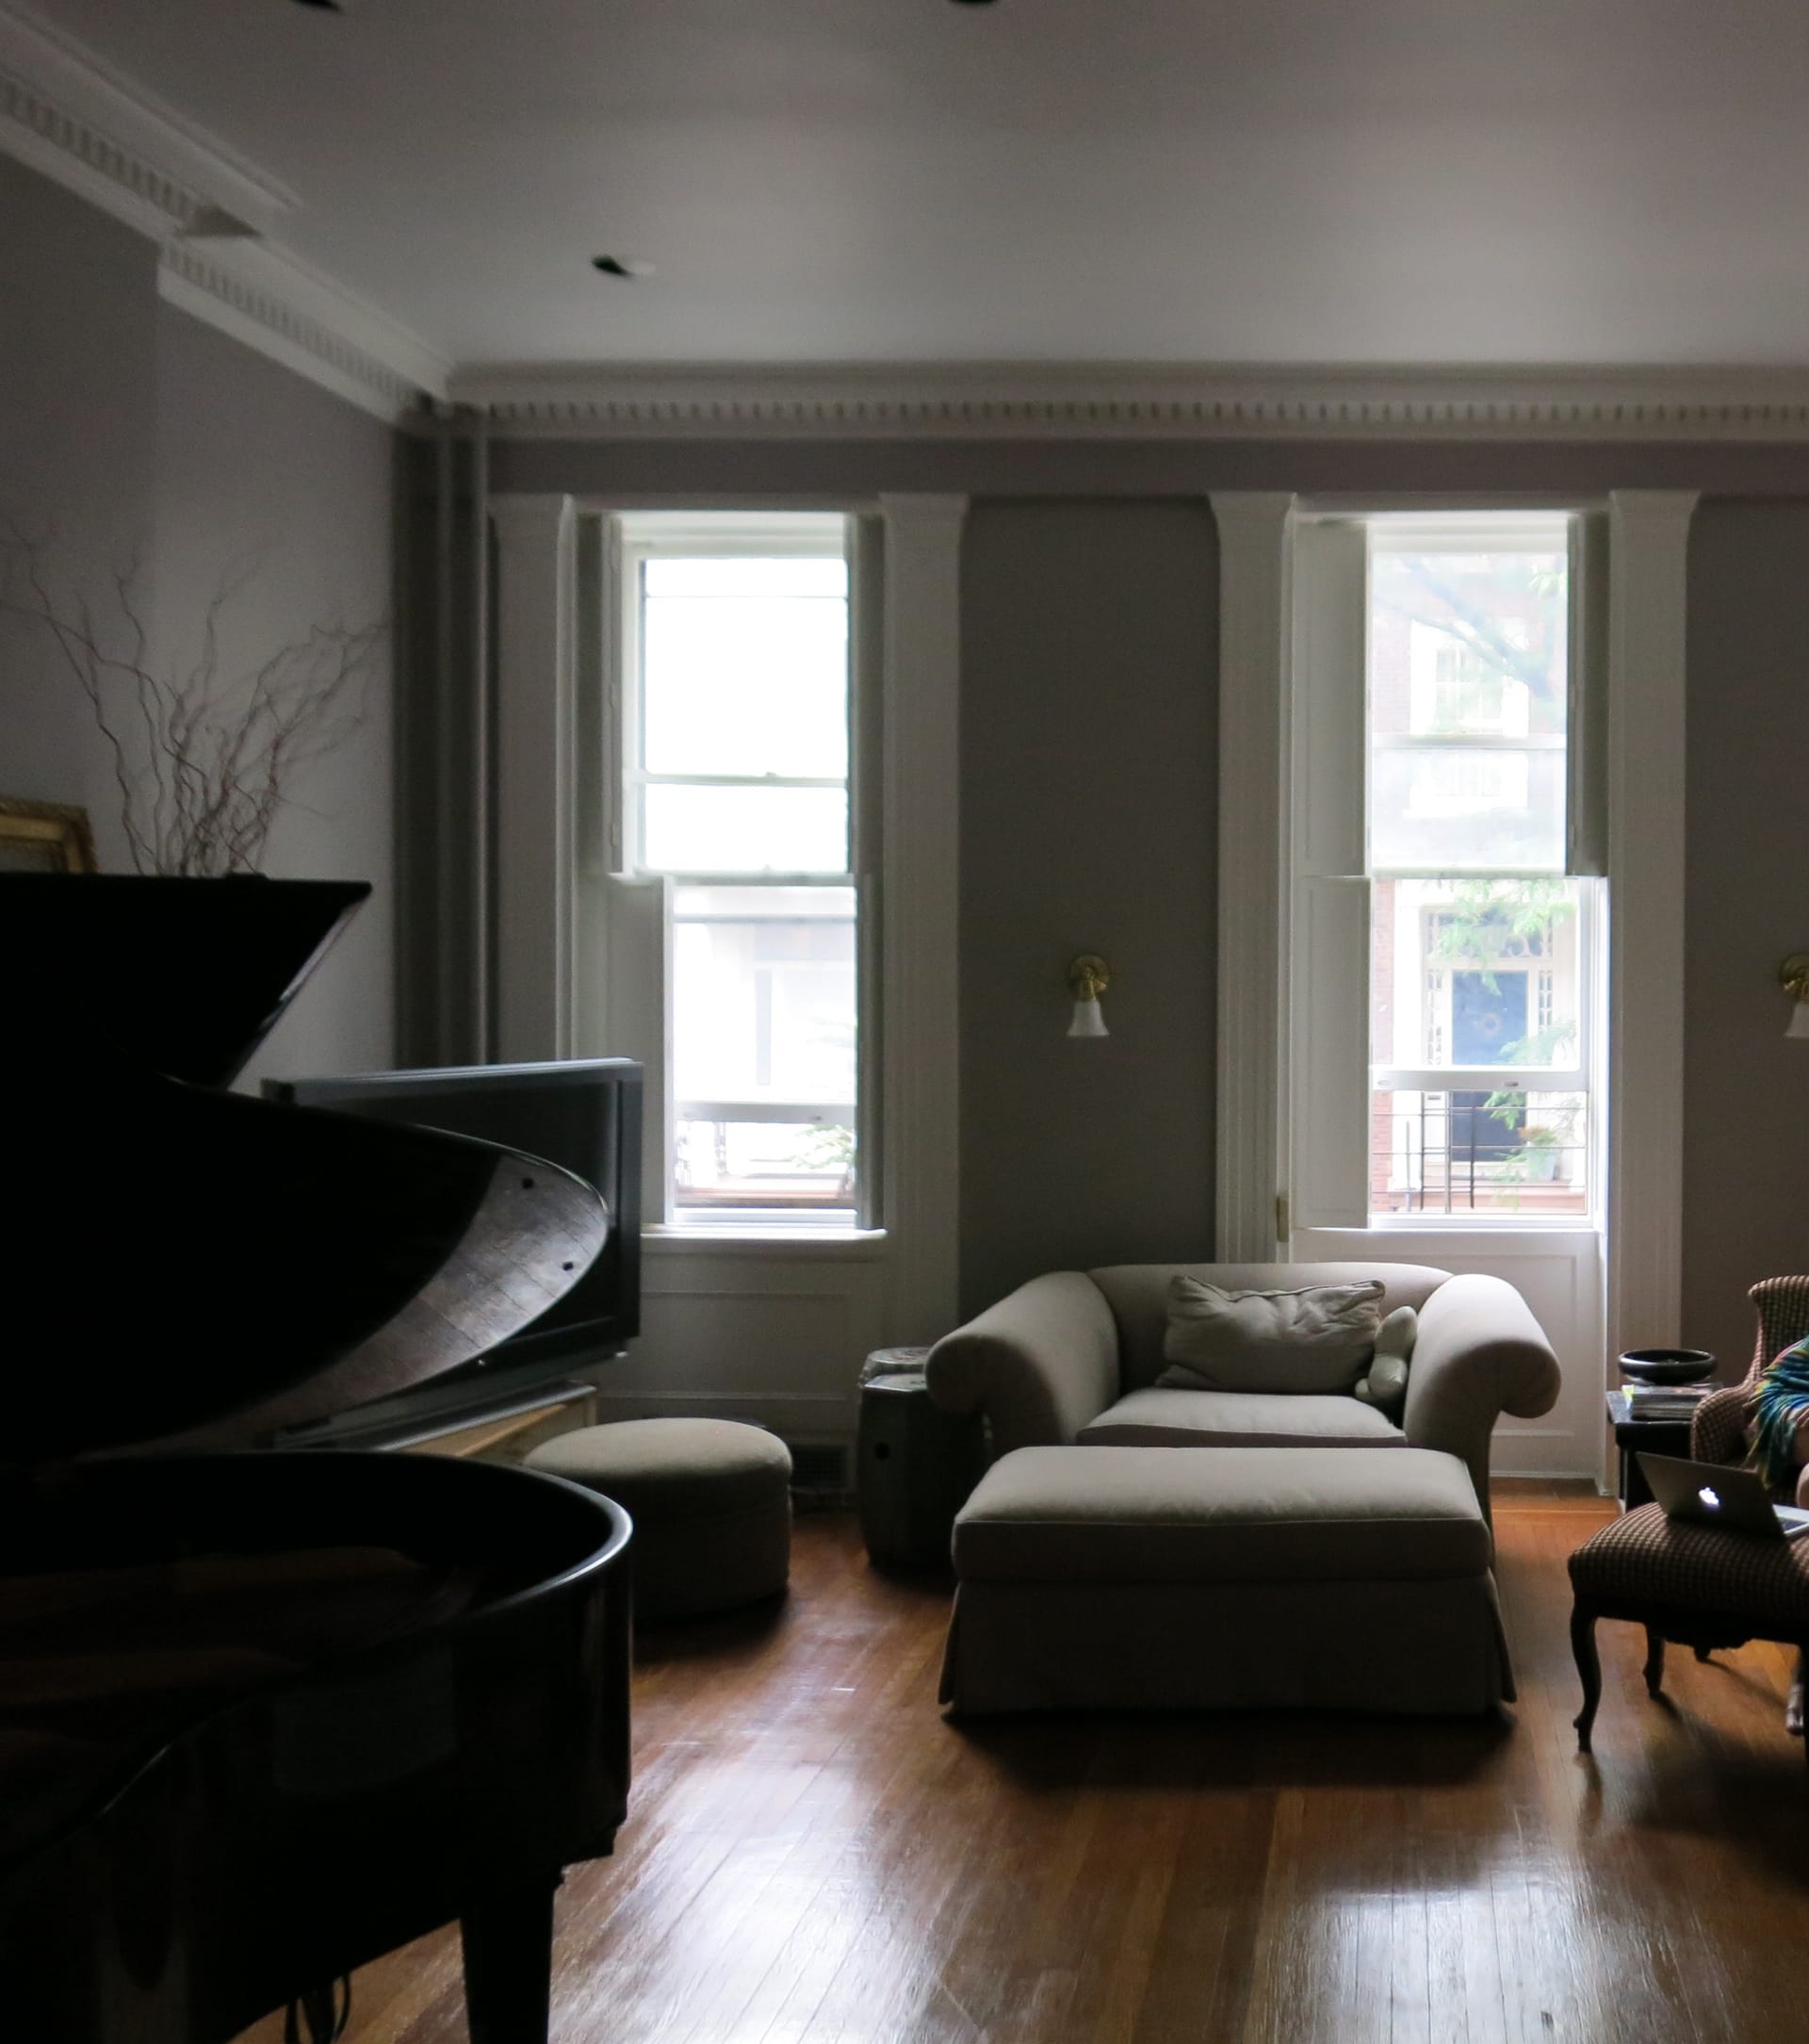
(735, 717)
(1479, 944)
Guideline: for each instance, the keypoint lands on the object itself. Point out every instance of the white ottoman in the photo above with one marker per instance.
(710, 1500)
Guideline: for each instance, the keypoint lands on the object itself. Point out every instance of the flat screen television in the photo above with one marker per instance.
(583, 1114)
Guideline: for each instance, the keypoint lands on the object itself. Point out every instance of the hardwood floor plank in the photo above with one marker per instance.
(815, 1856)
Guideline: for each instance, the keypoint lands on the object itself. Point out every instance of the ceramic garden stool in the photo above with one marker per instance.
(1698, 1585)
(710, 1500)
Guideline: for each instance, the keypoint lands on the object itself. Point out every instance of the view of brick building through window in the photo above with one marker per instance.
(1476, 939)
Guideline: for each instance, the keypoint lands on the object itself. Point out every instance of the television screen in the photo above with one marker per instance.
(582, 1114)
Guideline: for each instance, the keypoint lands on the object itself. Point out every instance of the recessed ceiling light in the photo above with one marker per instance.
(622, 266)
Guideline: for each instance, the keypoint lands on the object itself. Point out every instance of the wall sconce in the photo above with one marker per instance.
(1793, 977)
(1088, 978)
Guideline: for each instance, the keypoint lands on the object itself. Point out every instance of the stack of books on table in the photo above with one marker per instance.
(1665, 1401)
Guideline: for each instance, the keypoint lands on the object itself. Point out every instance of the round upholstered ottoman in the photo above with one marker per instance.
(710, 1500)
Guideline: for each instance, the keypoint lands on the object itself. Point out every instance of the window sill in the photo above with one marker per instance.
(842, 1244)
(1480, 1224)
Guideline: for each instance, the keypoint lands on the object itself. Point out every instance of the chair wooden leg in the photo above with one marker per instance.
(1654, 1668)
(1588, 1667)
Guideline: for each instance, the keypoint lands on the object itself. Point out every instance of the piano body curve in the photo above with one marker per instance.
(265, 1716)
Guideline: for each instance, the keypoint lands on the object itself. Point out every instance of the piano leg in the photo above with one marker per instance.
(508, 1940)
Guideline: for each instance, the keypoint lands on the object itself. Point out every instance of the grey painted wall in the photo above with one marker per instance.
(77, 404)
(260, 471)
(1088, 766)
(1746, 1127)
(129, 431)
(1047, 702)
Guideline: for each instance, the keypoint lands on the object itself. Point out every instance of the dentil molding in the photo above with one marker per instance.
(1038, 401)
(71, 116)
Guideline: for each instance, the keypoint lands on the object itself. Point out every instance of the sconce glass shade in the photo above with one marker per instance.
(1798, 1026)
(1089, 1022)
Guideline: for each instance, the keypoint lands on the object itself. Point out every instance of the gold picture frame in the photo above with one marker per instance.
(44, 837)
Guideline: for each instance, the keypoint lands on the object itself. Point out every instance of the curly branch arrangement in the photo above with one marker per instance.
(220, 753)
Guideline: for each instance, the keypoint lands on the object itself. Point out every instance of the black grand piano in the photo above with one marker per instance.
(264, 1717)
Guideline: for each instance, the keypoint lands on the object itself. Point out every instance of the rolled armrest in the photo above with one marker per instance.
(1718, 1426)
(1039, 1364)
(1479, 1353)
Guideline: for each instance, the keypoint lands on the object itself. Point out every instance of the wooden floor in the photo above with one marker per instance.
(812, 1854)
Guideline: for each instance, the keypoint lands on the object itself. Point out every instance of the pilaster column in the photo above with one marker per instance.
(921, 686)
(1255, 593)
(535, 765)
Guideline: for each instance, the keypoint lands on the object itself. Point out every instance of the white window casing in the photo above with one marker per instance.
(1625, 821)
(586, 952)
(640, 903)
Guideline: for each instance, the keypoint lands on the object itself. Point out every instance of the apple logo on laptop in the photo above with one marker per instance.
(1710, 1499)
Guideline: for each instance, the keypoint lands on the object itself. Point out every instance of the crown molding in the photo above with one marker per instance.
(1133, 403)
(140, 151)
(289, 312)
(68, 115)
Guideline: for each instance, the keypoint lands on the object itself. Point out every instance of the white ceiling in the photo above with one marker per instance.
(1360, 182)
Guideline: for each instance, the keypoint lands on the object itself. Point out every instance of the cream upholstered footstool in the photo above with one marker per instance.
(1161, 1579)
(710, 1500)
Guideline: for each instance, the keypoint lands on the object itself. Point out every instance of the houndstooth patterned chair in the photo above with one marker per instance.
(1697, 1585)
(1717, 1429)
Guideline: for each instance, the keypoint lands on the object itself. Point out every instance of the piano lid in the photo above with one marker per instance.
(187, 976)
(182, 1262)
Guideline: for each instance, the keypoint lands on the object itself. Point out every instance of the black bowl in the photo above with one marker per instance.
(1666, 1366)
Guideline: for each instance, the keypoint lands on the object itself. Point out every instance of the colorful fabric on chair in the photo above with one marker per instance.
(1783, 1308)
(1720, 1430)
(1779, 1404)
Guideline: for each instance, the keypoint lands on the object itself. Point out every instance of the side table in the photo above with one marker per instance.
(1633, 1436)
(918, 1463)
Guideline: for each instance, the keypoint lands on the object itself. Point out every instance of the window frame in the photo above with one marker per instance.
(635, 537)
(1329, 919)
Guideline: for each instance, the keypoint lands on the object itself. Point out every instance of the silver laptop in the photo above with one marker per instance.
(1704, 1494)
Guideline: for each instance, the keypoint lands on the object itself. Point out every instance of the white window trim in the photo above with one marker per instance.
(1332, 1080)
(909, 881)
(632, 538)
(1642, 959)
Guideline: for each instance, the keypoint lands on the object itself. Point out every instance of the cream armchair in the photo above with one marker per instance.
(1073, 1357)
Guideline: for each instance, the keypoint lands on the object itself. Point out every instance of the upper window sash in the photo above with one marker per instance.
(644, 536)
